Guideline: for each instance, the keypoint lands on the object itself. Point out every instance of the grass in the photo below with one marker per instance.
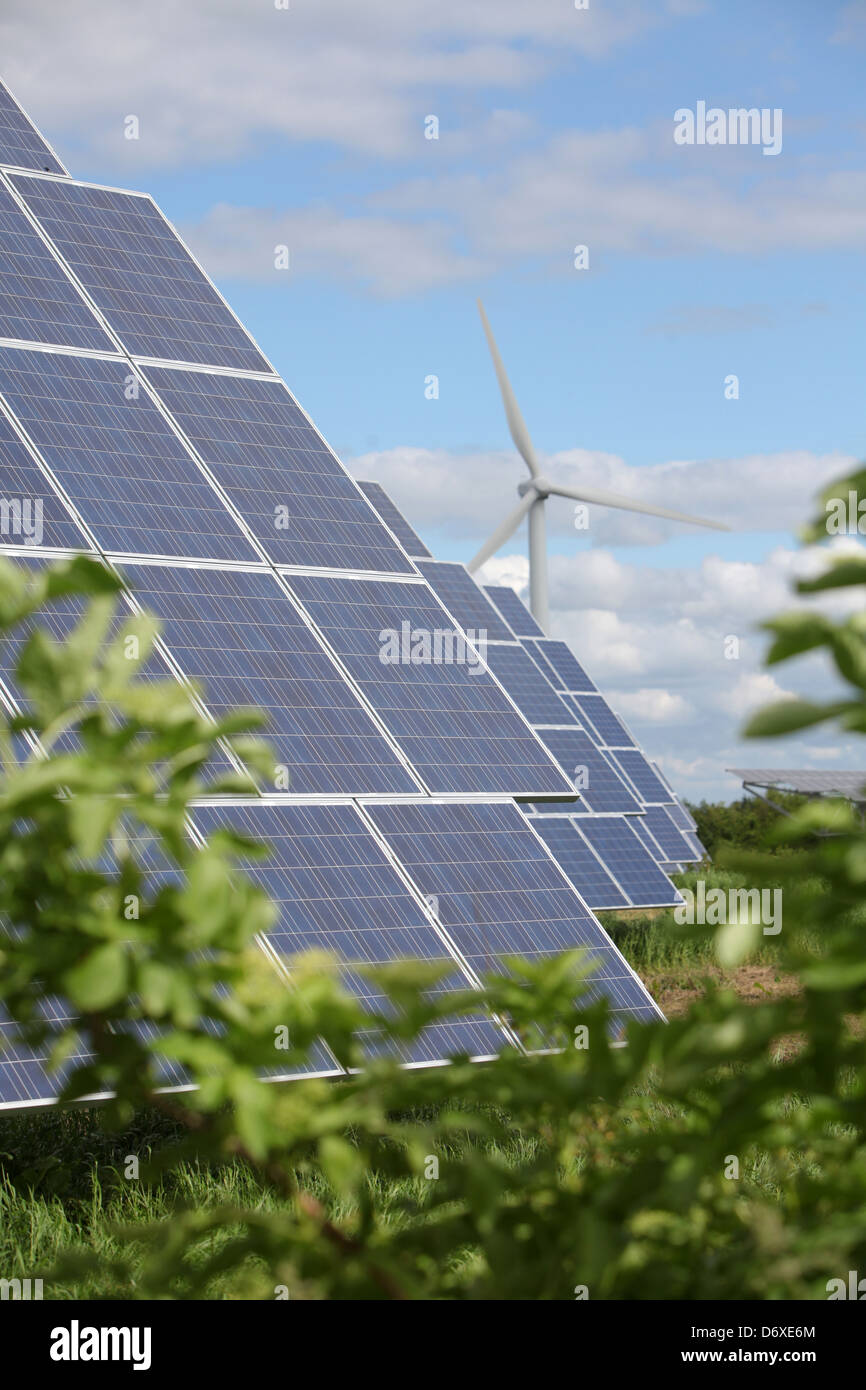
(62, 1183)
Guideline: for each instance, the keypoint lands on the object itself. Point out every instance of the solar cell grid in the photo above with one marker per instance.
(292, 492)
(571, 675)
(31, 512)
(619, 847)
(410, 541)
(336, 891)
(453, 722)
(513, 610)
(534, 696)
(601, 789)
(139, 274)
(237, 634)
(123, 467)
(460, 594)
(498, 892)
(586, 872)
(21, 145)
(671, 841)
(641, 772)
(38, 301)
(596, 710)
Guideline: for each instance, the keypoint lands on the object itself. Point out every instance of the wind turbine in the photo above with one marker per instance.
(534, 492)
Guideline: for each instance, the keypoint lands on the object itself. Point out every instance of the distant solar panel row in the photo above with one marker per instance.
(460, 594)
(515, 613)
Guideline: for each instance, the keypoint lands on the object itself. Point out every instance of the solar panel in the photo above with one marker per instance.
(38, 301)
(532, 694)
(589, 772)
(454, 585)
(671, 841)
(123, 467)
(641, 772)
(337, 891)
(680, 818)
(410, 541)
(139, 274)
(453, 722)
(513, 610)
(697, 850)
(31, 512)
(58, 620)
(497, 892)
(569, 674)
(237, 634)
(292, 492)
(625, 856)
(21, 145)
(640, 828)
(586, 871)
(595, 711)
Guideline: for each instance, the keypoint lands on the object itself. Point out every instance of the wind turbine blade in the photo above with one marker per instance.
(628, 504)
(501, 534)
(516, 422)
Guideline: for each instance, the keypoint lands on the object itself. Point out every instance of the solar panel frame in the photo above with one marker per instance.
(450, 851)
(284, 668)
(587, 871)
(345, 894)
(513, 610)
(39, 302)
(135, 254)
(460, 732)
(465, 600)
(95, 427)
(394, 519)
(13, 117)
(616, 843)
(278, 473)
(23, 477)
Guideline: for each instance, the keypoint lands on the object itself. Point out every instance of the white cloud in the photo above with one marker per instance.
(653, 706)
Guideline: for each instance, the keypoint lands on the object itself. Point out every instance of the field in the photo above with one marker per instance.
(62, 1188)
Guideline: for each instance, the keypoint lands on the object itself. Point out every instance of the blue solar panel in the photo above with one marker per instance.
(411, 543)
(498, 893)
(292, 492)
(21, 145)
(58, 620)
(583, 867)
(570, 675)
(38, 301)
(595, 711)
(681, 819)
(533, 695)
(452, 721)
(671, 841)
(628, 860)
(139, 274)
(237, 634)
(513, 610)
(465, 600)
(694, 844)
(640, 771)
(125, 470)
(589, 772)
(641, 829)
(337, 891)
(31, 512)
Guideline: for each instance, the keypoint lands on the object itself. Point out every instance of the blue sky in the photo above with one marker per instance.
(261, 126)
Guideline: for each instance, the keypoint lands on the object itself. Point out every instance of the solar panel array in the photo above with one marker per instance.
(141, 423)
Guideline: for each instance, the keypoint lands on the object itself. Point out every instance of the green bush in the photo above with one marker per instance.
(717, 1156)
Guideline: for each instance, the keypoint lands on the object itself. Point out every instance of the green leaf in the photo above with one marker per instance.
(786, 716)
(100, 979)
